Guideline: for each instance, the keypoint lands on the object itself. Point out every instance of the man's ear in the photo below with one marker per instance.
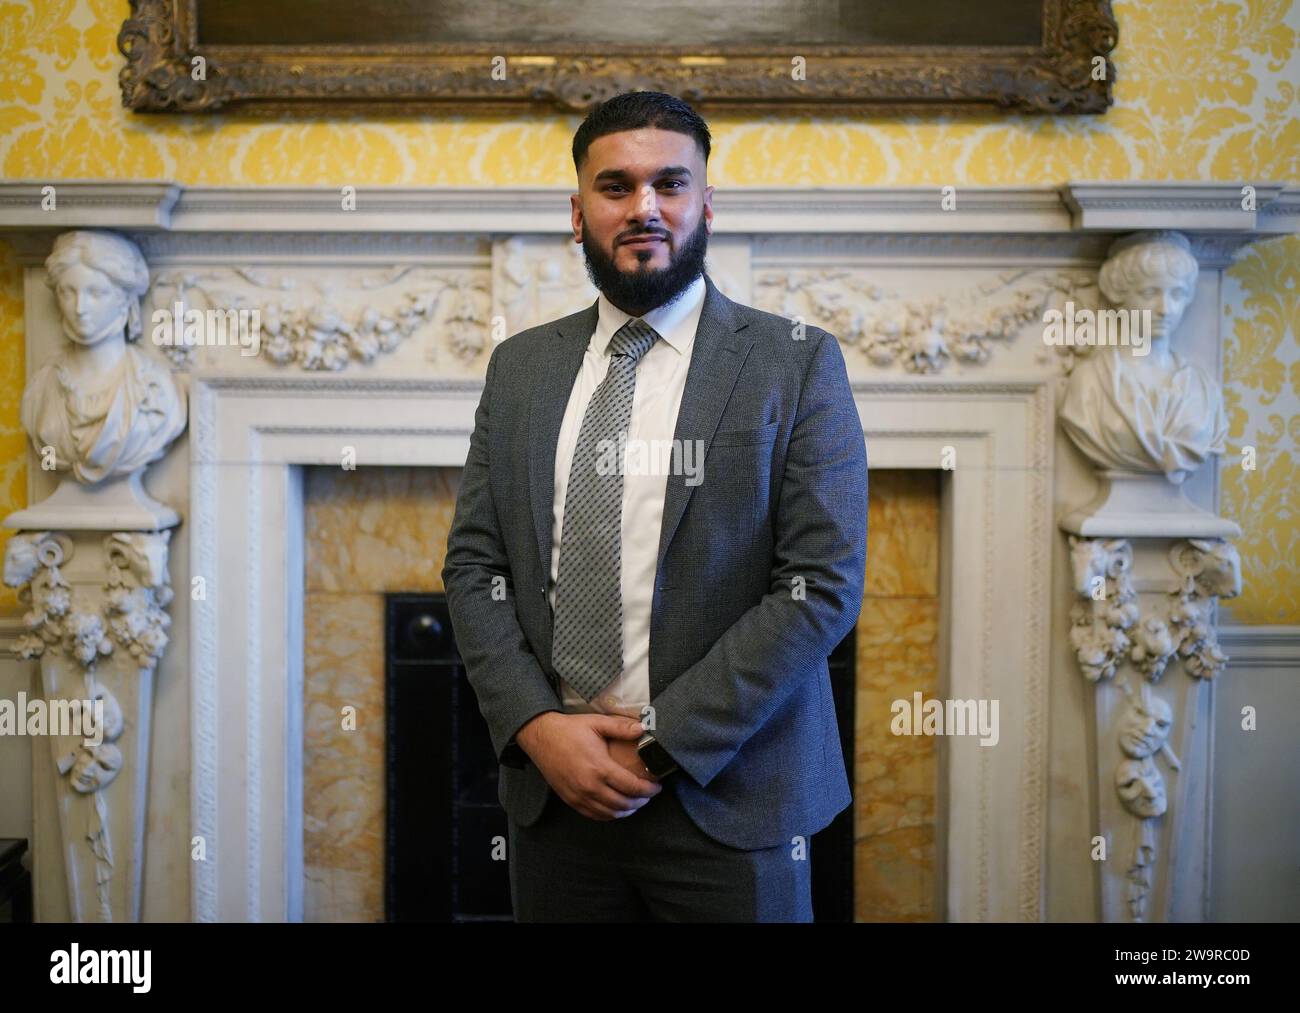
(575, 214)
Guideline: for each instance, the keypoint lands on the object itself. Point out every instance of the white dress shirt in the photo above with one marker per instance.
(660, 381)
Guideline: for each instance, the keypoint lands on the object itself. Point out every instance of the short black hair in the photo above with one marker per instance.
(633, 110)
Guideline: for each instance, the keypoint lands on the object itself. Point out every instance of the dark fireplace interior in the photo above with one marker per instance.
(445, 831)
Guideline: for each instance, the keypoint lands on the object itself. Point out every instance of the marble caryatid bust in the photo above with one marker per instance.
(1145, 417)
(1153, 412)
(101, 409)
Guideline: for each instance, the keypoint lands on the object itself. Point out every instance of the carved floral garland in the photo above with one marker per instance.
(313, 331)
(923, 334)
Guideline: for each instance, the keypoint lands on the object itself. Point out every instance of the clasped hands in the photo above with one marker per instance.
(591, 762)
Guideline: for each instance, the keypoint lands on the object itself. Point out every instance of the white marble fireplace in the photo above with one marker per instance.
(1060, 572)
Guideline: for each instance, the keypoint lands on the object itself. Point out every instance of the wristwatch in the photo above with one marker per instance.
(655, 756)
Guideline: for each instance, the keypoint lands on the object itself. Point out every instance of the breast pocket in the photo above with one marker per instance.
(734, 485)
(745, 437)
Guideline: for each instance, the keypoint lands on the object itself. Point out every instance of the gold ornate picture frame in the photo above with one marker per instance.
(194, 56)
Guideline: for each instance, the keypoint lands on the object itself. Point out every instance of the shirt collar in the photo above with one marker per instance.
(675, 321)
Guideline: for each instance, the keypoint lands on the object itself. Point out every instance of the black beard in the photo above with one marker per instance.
(644, 288)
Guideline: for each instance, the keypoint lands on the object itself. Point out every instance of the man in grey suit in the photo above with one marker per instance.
(659, 538)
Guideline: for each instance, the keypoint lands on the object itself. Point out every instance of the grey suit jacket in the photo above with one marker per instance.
(760, 569)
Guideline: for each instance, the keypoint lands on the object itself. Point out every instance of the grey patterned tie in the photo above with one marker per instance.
(588, 646)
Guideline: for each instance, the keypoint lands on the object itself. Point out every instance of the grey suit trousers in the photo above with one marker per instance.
(655, 865)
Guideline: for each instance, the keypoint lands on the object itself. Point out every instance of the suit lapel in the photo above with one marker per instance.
(720, 350)
(716, 358)
(569, 337)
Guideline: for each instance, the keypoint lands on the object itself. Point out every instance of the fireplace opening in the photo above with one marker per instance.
(400, 809)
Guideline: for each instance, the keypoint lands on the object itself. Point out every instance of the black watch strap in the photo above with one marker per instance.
(655, 756)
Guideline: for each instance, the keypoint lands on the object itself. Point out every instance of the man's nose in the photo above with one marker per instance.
(647, 205)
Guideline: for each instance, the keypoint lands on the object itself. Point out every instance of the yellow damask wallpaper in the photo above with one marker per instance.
(1203, 90)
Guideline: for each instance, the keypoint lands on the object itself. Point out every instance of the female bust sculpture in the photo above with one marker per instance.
(105, 408)
(1153, 413)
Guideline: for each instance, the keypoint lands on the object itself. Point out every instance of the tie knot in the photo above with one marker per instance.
(633, 339)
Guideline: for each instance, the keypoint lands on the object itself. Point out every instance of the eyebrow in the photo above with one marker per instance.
(667, 170)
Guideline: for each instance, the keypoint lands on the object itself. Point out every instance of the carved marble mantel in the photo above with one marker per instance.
(376, 326)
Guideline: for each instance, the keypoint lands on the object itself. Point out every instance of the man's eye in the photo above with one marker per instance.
(619, 186)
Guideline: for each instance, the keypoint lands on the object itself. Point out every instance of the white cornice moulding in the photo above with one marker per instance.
(1071, 207)
(1187, 206)
(81, 204)
(1283, 214)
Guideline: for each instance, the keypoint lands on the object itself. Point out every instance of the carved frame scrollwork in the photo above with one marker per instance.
(159, 40)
